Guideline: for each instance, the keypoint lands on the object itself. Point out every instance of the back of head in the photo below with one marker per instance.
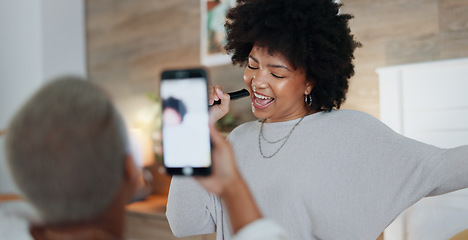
(66, 149)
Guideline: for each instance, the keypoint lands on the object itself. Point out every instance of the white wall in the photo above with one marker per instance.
(20, 59)
(40, 40)
(63, 40)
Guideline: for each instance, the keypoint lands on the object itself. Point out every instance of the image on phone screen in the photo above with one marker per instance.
(185, 131)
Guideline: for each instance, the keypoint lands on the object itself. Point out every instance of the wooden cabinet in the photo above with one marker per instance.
(146, 220)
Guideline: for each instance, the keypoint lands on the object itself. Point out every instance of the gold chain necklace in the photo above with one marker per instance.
(284, 139)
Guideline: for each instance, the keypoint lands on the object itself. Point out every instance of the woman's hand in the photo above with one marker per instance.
(224, 170)
(218, 111)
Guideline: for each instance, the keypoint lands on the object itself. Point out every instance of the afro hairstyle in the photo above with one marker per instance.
(312, 34)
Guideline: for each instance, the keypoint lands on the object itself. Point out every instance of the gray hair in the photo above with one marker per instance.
(66, 149)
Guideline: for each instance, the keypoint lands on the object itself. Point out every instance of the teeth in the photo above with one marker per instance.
(261, 96)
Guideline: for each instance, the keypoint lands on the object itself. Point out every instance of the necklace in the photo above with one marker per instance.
(284, 139)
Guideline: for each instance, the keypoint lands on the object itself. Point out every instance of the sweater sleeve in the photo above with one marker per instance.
(427, 170)
(425, 167)
(452, 171)
(191, 210)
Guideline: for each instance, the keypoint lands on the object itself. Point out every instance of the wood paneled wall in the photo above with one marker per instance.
(130, 41)
(395, 32)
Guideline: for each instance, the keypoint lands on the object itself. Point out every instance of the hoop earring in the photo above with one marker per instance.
(308, 100)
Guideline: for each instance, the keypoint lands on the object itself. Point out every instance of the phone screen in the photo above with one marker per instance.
(185, 131)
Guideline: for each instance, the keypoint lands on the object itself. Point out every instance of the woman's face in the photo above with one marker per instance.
(171, 117)
(277, 89)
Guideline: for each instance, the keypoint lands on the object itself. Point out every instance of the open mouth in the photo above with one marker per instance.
(261, 101)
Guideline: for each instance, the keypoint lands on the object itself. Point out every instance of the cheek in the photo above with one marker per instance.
(288, 90)
(247, 76)
(283, 89)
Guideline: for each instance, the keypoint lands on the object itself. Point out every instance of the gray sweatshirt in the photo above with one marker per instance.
(340, 175)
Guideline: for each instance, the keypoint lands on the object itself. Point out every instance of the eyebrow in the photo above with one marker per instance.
(271, 65)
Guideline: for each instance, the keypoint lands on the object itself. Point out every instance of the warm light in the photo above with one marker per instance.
(142, 147)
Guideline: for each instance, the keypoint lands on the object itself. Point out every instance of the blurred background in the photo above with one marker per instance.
(123, 45)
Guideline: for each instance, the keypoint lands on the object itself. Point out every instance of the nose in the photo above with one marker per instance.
(259, 81)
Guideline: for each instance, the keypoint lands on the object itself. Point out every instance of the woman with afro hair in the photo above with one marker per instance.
(320, 172)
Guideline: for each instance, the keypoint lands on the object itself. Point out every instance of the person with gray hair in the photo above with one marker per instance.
(68, 153)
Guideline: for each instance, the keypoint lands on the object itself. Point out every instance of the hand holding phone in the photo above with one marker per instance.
(185, 130)
(224, 173)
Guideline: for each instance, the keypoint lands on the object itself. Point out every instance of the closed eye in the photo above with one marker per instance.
(253, 68)
(276, 76)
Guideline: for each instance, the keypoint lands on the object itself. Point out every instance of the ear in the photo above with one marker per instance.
(131, 174)
(308, 87)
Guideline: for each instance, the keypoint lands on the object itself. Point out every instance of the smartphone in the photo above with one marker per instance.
(185, 130)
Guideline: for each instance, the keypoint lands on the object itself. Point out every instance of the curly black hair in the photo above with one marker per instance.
(311, 34)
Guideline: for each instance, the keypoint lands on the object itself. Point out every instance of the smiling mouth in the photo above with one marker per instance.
(261, 101)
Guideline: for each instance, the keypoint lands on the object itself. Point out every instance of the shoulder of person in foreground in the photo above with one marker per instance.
(261, 229)
(13, 227)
